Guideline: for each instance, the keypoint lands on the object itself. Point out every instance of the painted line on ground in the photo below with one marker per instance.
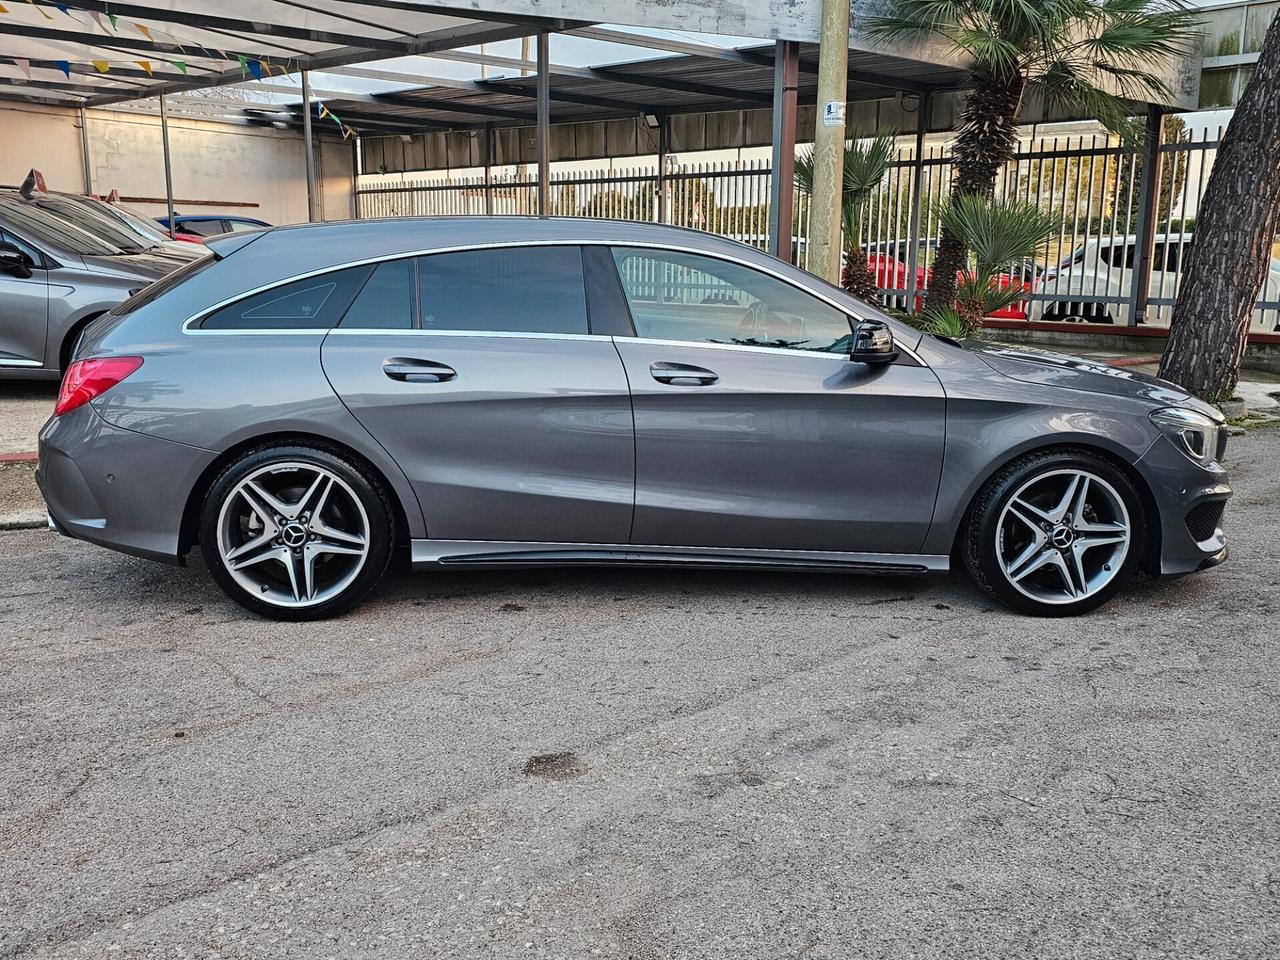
(19, 457)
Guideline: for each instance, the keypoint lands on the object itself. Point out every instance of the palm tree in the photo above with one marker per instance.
(999, 236)
(865, 163)
(1089, 56)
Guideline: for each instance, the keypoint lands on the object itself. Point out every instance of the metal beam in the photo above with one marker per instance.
(308, 149)
(924, 110)
(450, 106)
(1148, 202)
(544, 124)
(84, 153)
(786, 82)
(168, 167)
(261, 28)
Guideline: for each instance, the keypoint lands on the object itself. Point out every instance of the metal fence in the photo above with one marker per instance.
(1091, 185)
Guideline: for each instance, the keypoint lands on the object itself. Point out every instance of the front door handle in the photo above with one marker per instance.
(413, 370)
(682, 374)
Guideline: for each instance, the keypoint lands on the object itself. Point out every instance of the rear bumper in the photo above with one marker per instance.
(114, 487)
(1180, 486)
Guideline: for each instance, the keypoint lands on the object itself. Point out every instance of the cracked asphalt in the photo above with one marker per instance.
(642, 764)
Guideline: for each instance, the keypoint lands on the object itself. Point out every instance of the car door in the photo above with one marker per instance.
(754, 429)
(510, 417)
(24, 310)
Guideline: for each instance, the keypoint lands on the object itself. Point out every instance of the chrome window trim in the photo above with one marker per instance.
(504, 334)
(460, 248)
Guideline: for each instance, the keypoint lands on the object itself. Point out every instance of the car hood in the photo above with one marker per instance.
(1044, 367)
(135, 266)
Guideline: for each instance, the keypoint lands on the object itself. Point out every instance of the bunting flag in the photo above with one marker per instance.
(97, 19)
(255, 68)
(322, 110)
(145, 65)
(179, 65)
(101, 65)
(3, 8)
(64, 66)
(63, 8)
(244, 65)
(145, 32)
(43, 12)
(24, 66)
(115, 21)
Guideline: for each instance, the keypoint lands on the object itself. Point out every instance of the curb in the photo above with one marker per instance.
(1133, 361)
(19, 457)
(23, 520)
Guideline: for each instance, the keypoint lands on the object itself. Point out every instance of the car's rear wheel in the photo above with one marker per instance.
(1055, 533)
(296, 532)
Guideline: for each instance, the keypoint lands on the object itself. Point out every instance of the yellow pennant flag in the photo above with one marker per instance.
(43, 12)
(324, 111)
(145, 65)
(145, 32)
(3, 8)
(101, 66)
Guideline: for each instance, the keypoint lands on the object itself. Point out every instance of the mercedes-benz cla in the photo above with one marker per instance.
(501, 392)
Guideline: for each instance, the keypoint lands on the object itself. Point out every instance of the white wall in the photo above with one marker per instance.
(217, 167)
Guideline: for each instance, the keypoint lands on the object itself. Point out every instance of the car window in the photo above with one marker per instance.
(202, 228)
(386, 299)
(89, 220)
(1167, 256)
(42, 227)
(1119, 255)
(239, 226)
(33, 255)
(504, 289)
(680, 296)
(315, 303)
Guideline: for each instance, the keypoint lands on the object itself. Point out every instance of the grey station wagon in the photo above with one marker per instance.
(494, 392)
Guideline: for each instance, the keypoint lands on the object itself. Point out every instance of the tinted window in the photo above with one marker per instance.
(385, 301)
(202, 228)
(311, 304)
(1120, 255)
(33, 255)
(507, 289)
(89, 220)
(239, 226)
(678, 296)
(41, 227)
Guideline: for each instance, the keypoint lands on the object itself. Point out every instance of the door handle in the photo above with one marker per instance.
(412, 370)
(682, 374)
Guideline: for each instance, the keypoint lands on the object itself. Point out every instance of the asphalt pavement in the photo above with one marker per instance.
(642, 764)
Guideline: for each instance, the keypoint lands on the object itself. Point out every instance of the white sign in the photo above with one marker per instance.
(833, 114)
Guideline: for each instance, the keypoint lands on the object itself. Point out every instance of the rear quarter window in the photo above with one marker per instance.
(312, 303)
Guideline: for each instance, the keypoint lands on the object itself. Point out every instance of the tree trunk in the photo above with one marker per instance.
(858, 278)
(988, 135)
(1235, 228)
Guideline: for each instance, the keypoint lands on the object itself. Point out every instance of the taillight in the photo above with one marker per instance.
(86, 379)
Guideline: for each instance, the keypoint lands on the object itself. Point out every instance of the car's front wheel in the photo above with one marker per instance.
(1055, 533)
(296, 532)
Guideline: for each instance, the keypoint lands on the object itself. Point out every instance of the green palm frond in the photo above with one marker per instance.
(998, 232)
(865, 163)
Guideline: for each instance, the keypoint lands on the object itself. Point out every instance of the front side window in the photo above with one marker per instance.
(681, 296)
(316, 303)
(504, 290)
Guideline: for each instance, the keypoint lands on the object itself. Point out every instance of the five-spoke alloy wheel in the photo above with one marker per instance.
(296, 533)
(1055, 533)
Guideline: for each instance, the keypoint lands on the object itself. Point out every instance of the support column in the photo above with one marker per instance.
(84, 152)
(488, 169)
(168, 167)
(786, 75)
(917, 190)
(544, 124)
(828, 142)
(664, 147)
(308, 148)
(1148, 203)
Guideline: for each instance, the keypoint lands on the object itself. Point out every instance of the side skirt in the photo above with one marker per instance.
(494, 553)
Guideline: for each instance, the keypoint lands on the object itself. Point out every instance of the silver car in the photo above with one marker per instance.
(501, 392)
(61, 266)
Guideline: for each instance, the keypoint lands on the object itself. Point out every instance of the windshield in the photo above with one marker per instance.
(91, 221)
(146, 228)
(40, 227)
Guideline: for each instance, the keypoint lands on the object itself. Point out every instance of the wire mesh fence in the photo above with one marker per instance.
(1091, 185)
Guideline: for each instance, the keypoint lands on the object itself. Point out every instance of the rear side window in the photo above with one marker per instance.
(315, 303)
(202, 228)
(504, 290)
(386, 300)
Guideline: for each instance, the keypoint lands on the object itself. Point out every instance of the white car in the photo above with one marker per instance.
(1104, 268)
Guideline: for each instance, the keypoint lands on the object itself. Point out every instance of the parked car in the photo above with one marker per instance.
(94, 216)
(890, 264)
(504, 392)
(1103, 268)
(146, 230)
(54, 279)
(197, 227)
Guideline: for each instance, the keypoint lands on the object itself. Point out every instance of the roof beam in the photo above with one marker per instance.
(685, 47)
(453, 106)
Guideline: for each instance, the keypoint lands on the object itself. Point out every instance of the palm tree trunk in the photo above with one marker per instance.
(857, 277)
(1235, 228)
(988, 135)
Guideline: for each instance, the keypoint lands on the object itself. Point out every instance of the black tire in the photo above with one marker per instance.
(981, 534)
(360, 483)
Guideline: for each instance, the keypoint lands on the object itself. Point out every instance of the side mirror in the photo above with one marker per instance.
(872, 343)
(14, 261)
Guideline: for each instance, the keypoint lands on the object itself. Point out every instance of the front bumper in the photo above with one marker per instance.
(1190, 501)
(114, 487)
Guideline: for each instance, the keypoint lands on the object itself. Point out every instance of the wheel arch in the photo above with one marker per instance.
(67, 345)
(189, 532)
(1150, 562)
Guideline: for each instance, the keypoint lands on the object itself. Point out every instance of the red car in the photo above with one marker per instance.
(891, 273)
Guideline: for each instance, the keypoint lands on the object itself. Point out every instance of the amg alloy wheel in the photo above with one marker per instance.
(1055, 533)
(295, 533)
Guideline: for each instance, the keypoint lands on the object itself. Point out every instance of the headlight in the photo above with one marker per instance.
(1192, 433)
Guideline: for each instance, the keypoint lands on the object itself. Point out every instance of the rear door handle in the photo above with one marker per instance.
(413, 370)
(682, 374)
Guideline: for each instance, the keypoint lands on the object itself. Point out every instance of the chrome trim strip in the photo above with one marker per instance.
(502, 553)
(508, 334)
(563, 242)
(18, 362)
(811, 354)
